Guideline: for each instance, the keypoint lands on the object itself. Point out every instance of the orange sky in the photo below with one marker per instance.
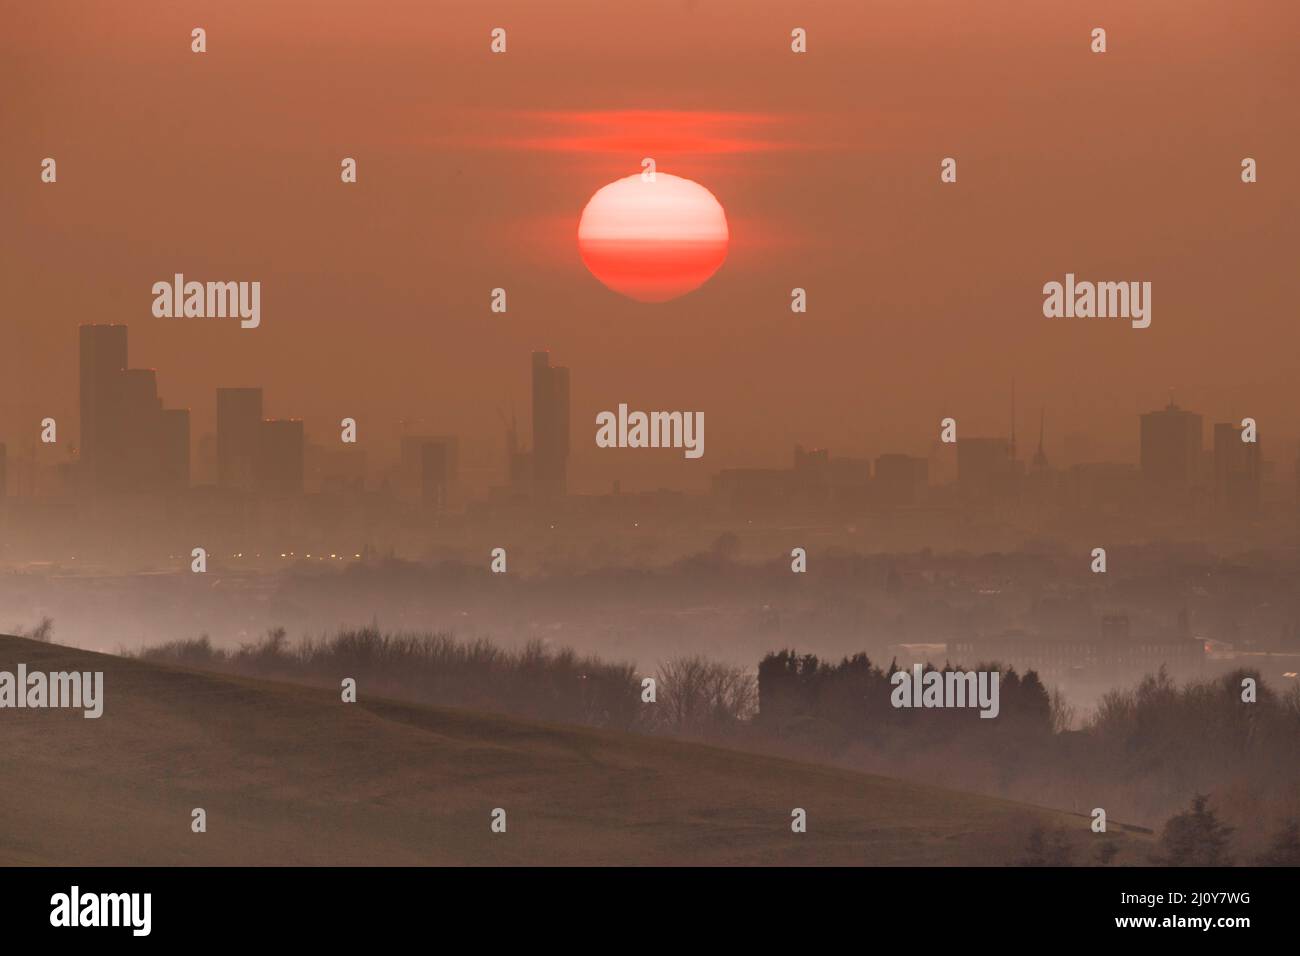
(924, 299)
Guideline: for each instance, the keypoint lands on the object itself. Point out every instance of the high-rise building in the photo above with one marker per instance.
(278, 468)
(239, 436)
(550, 426)
(135, 464)
(1171, 448)
(4, 471)
(1238, 472)
(175, 466)
(102, 355)
(430, 466)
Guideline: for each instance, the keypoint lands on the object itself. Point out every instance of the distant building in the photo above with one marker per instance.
(1101, 485)
(901, 479)
(135, 463)
(334, 469)
(1040, 463)
(239, 437)
(550, 426)
(810, 478)
(986, 468)
(1238, 471)
(175, 448)
(101, 356)
(1170, 448)
(430, 468)
(4, 471)
(1110, 653)
(278, 469)
(519, 463)
(752, 487)
(850, 480)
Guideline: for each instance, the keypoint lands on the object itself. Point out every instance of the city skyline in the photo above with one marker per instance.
(705, 433)
(128, 440)
(924, 297)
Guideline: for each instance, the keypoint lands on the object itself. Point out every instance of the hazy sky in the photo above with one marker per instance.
(924, 298)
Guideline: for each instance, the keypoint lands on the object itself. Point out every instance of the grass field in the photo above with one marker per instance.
(292, 775)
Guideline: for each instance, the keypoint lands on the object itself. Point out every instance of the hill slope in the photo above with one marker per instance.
(291, 775)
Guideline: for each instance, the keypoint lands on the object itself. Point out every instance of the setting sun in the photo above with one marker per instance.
(653, 238)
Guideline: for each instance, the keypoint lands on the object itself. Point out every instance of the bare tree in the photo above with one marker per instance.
(700, 697)
(1062, 712)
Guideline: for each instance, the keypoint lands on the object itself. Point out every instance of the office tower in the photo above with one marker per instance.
(239, 431)
(278, 466)
(175, 468)
(430, 466)
(1171, 448)
(1237, 470)
(985, 468)
(134, 463)
(102, 355)
(550, 426)
(900, 479)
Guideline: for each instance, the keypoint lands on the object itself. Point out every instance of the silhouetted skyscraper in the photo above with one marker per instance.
(175, 448)
(1171, 447)
(550, 426)
(429, 467)
(279, 464)
(102, 355)
(1237, 470)
(135, 462)
(239, 436)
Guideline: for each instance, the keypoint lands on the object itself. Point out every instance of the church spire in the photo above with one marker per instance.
(1040, 456)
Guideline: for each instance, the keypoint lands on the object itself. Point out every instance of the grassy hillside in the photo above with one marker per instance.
(292, 775)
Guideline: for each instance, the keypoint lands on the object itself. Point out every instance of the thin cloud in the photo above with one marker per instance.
(646, 131)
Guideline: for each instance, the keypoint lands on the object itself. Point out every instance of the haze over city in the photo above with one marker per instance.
(703, 433)
(914, 312)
